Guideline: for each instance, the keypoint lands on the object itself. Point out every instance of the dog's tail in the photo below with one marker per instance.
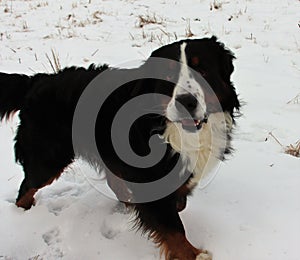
(13, 89)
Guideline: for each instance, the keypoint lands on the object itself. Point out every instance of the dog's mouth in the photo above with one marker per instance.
(192, 125)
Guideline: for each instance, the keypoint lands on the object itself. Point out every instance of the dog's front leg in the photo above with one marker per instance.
(160, 220)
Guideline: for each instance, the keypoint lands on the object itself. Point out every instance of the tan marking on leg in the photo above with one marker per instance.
(182, 194)
(176, 246)
(51, 180)
(27, 200)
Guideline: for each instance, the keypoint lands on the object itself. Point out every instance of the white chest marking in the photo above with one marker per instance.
(200, 151)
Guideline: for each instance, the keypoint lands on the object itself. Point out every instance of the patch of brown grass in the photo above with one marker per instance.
(292, 149)
(216, 5)
(149, 19)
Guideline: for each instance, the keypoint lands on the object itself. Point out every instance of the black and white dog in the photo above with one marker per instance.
(198, 104)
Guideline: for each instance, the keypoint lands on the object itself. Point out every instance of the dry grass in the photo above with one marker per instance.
(25, 26)
(6, 10)
(149, 19)
(158, 35)
(73, 21)
(188, 31)
(54, 61)
(66, 26)
(292, 149)
(42, 4)
(216, 5)
(295, 100)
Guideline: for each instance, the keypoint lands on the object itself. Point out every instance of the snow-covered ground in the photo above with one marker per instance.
(251, 210)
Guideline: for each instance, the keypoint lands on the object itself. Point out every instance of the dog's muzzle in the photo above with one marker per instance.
(187, 107)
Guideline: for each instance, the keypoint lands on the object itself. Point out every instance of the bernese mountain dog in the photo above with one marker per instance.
(181, 106)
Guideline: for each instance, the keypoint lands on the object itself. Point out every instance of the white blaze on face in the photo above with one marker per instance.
(186, 85)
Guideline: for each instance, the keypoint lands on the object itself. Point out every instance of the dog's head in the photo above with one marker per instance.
(196, 81)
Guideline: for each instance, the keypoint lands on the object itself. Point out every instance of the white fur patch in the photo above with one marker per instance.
(200, 151)
(203, 256)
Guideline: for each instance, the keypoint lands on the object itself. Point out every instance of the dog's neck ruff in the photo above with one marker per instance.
(200, 151)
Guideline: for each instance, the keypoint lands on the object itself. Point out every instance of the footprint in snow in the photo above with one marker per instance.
(53, 240)
(52, 237)
(114, 223)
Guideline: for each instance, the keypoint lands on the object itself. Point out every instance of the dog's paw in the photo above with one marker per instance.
(204, 256)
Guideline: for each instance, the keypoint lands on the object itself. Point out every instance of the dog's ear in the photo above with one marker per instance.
(226, 58)
(227, 61)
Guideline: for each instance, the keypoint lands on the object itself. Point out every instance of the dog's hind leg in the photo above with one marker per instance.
(43, 158)
(36, 177)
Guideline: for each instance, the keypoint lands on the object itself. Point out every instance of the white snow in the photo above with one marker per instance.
(250, 211)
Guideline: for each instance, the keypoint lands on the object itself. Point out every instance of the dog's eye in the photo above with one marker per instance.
(195, 64)
(172, 68)
(195, 61)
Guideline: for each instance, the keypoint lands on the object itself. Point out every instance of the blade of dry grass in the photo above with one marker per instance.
(188, 31)
(295, 100)
(54, 62)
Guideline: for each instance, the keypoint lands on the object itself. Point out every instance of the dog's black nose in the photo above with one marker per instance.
(186, 103)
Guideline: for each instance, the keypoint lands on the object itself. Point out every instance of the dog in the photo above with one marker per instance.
(188, 106)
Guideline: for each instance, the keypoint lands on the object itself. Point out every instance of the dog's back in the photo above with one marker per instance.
(43, 143)
(13, 88)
